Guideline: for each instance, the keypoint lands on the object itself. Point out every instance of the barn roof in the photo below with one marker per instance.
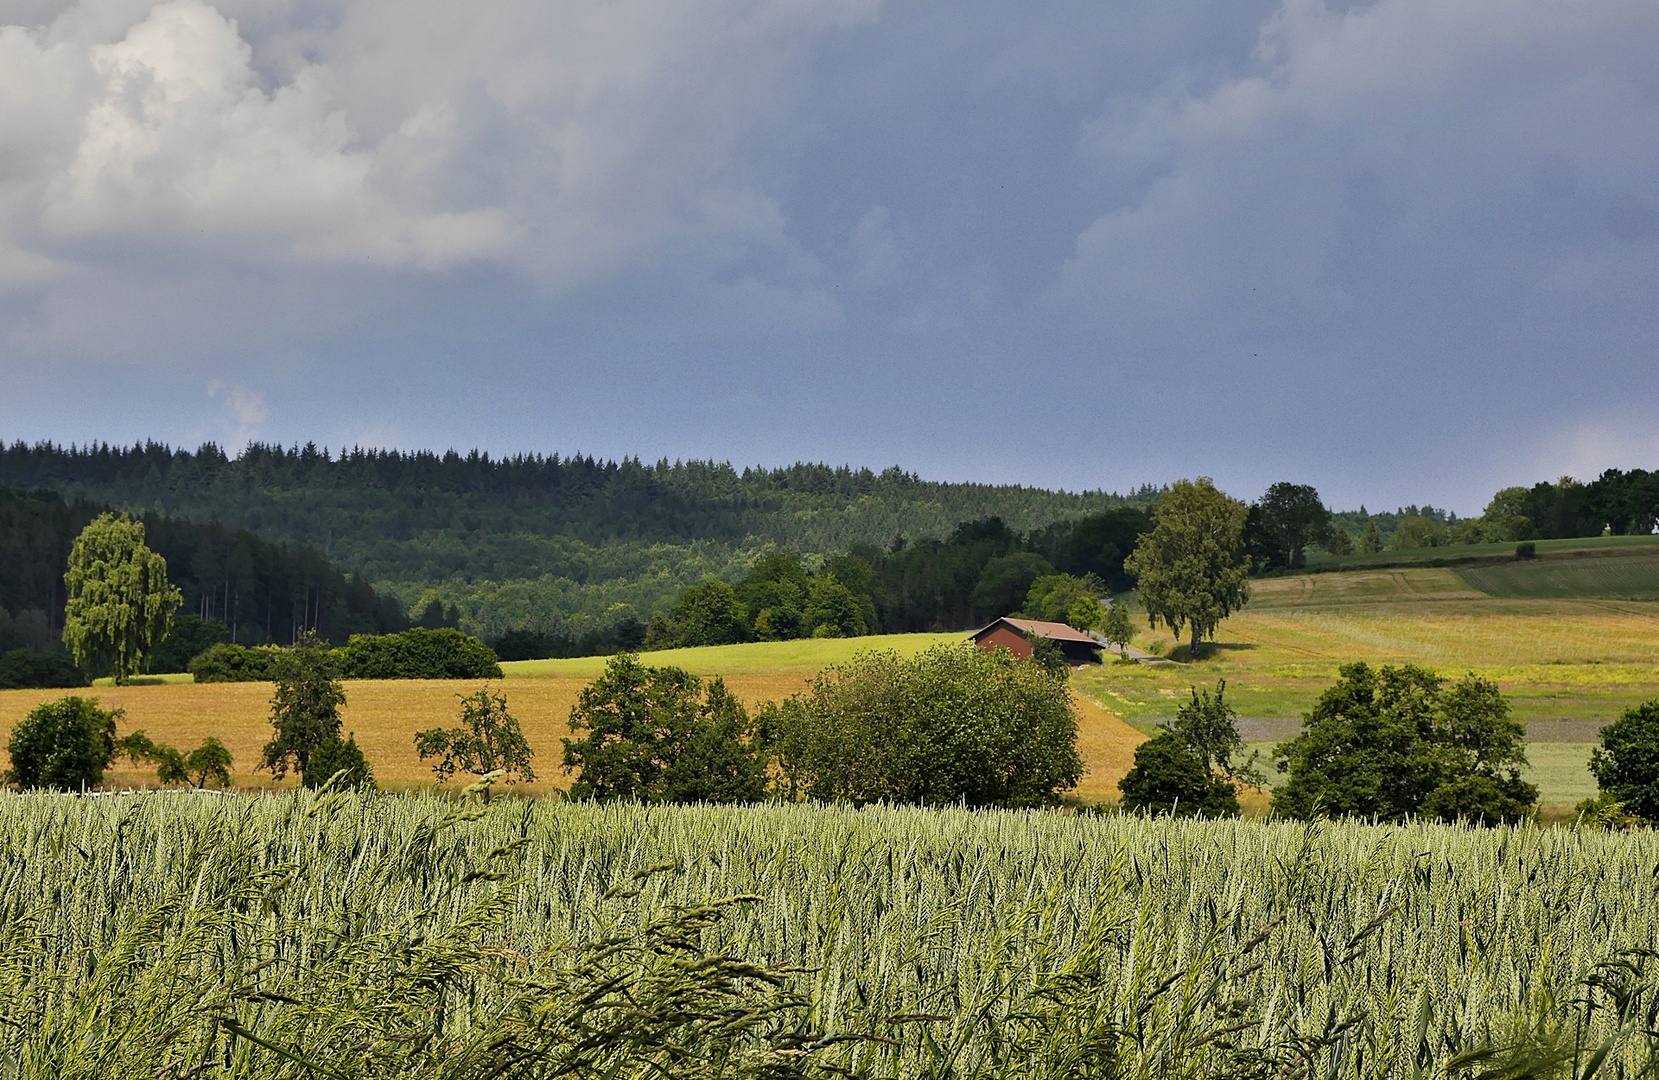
(1053, 631)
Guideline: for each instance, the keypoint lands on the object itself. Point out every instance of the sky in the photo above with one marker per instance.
(1406, 250)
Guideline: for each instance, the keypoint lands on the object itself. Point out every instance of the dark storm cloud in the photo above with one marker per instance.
(1404, 250)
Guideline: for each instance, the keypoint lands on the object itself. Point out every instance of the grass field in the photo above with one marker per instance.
(394, 937)
(762, 657)
(1462, 554)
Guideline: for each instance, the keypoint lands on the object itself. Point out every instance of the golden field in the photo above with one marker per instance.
(385, 714)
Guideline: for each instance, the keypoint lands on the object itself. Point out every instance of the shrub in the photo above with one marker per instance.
(1169, 778)
(1392, 742)
(1626, 764)
(955, 723)
(656, 735)
(64, 745)
(234, 663)
(333, 755)
(305, 707)
(21, 669)
(417, 654)
(1528, 550)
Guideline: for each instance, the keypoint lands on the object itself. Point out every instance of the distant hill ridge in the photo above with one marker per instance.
(591, 534)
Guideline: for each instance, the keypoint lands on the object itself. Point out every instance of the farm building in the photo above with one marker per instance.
(1015, 635)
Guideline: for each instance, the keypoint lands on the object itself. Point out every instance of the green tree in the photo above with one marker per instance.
(1626, 764)
(833, 611)
(1292, 517)
(1064, 598)
(209, 761)
(1371, 540)
(488, 740)
(1005, 581)
(1392, 742)
(1168, 777)
(64, 745)
(1191, 570)
(336, 755)
(305, 707)
(1340, 543)
(653, 734)
(1117, 627)
(709, 614)
(1208, 725)
(120, 603)
(955, 723)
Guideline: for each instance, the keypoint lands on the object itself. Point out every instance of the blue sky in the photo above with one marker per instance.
(1407, 250)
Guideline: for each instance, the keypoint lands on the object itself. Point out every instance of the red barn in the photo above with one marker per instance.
(1015, 635)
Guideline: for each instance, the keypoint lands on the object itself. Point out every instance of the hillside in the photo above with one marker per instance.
(535, 539)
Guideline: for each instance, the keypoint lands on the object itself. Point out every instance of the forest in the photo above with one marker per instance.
(237, 586)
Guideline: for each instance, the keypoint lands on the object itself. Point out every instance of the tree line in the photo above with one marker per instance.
(233, 584)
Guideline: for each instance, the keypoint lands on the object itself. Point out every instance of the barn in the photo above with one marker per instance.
(1015, 635)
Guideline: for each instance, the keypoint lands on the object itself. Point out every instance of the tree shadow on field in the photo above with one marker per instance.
(1212, 650)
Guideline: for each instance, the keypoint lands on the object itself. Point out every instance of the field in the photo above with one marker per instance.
(385, 714)
(290, 936)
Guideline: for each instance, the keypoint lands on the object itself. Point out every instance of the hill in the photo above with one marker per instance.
(531, 540)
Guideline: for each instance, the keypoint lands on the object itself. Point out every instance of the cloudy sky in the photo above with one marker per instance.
(1406, 250)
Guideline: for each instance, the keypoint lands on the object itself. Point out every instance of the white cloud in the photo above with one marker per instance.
(245, 410)
(567, 141)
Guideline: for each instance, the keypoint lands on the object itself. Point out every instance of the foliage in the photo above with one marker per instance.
(1604, 812)
(1048, 656)
(1005, 582)
(488, 740)
(419, 653)
(1418, 532)
(832, 610)
(234, 663)
(259, 591)
(709, 614)
(1168, 778)
(1191, 568)
(1626, 764)
(657, 735)
(1340, 543)
(952, 724)
(1096, 543)
(1528, 550)
(1207, 725)
(120, 604)
(1391, 742)
(333, 757)
(1291, 517)
(305, 706)
(64, 745)
(1063, 598)
(1371, 541)
(209, 761)
(1116, 626)
(21, 669)
(189, 638)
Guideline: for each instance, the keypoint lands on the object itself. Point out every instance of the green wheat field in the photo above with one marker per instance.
(300, 935)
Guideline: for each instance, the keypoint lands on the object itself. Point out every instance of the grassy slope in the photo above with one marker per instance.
(765, 656)
(1557, 659)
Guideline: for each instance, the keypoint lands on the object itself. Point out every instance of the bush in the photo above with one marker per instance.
(955, 723)
(1394, 742)
(417, 654)
(1528, 550)
(234, 663)
(1169, 778)
(1626, 764)
(64, 745)
(333, 755)
(656, 735)
(21, 669)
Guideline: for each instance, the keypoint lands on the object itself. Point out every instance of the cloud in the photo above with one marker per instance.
(245, 410)
(1462, 166)
(563, 141)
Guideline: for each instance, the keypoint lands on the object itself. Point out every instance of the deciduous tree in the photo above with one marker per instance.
(305, 707)
(120, 602)
(64, 744)
(488, 740)
(1292, 517)
(1191, 570)
(1168, 777)
(1626, 764)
